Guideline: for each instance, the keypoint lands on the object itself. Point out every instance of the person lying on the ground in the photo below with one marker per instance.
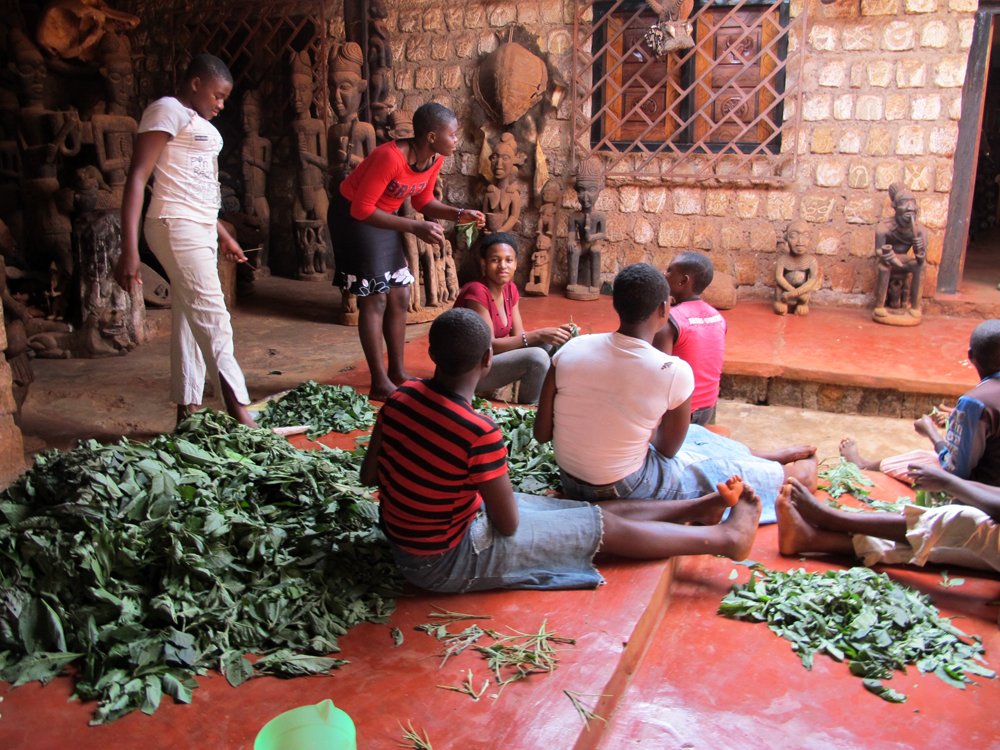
(618, 411)
(964, 533)
(455, 524)
(970, 447)
(518, 354)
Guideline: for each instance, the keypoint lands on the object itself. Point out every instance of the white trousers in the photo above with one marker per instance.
(202, 333)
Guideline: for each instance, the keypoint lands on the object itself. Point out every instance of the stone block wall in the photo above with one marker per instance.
(881, 85)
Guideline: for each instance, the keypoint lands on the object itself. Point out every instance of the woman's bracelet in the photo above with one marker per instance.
(458, 216)
(524, 338)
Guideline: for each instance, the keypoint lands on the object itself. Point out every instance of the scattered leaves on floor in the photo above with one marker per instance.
(860, 616)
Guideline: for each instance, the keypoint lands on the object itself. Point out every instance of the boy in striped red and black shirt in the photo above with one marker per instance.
(452, 518)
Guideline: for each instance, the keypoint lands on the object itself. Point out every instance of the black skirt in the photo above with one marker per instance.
(369, 260)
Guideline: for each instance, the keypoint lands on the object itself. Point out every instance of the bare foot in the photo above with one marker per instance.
(710, 510)
(925, 426)
(849, 452)
(381, 390)
(400, 377)
(794, 532)
(789, 454)
(742, 525)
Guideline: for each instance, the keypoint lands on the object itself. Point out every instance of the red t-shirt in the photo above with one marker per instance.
(477, 291)
(701, 342)
(436, 450)
(384, 180)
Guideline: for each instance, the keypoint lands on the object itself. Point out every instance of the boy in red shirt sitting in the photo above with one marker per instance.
(454, 522)
(695, 332)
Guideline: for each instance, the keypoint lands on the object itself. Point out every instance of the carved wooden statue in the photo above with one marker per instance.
(420, 258)
(796, 273)
(256, 158)
(447, 273)
(44, 136)
(73, 29)
(349, 140)
(898, 290)
(379, 64)
(586, 234)
(309, 208)
(672, 32)
(540, 274)
(114, 131)
(502, 202)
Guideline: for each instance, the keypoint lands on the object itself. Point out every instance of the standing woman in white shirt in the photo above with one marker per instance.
(180, 147)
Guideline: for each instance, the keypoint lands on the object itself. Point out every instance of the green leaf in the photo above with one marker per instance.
(236, 668)
(883, 692)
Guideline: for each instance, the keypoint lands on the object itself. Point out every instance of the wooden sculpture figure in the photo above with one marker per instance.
(502, 202)
(540, 274)
(586, 234)
(44, 136)
(797, 272)
(256, 159)
(114, 131)
(309, 209)
(379, 64)
(349, 140)
(898, 290)
(672, 32)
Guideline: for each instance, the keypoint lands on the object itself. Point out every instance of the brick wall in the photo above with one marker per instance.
(881, 83)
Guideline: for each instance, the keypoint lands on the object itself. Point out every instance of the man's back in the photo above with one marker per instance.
(611, 392)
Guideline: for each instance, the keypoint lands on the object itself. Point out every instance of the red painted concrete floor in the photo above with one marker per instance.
(651, 656)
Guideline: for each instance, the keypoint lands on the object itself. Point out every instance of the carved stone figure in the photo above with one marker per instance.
(311, 201)
(349, 140)
(502, 201)
(796, 273)
(586, 234)
(379, 64)
(114, 131)
(400, 125)
(509, 82)
(540, 274)
(898, 289)
(310, 235)
(256, 158)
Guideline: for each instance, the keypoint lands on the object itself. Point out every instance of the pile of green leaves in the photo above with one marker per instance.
(325, 408)
(862, 616)
(532, 465)
(143, 565)
(844, 478)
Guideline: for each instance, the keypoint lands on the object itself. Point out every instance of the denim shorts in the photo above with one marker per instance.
(704, 460)
(553, 548)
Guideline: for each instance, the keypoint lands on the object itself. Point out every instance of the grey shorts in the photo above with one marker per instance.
(553, 548)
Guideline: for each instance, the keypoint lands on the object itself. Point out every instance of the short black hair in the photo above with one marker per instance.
(637, 291)
(984, 347)
(497, 238)
(207, 66)
(431, 117)
(458, 340)
(697, 266)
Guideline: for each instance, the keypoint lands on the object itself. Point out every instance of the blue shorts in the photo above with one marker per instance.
(704, 460)
(553, 548)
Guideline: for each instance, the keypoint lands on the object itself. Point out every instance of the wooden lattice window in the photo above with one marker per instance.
(714, 110)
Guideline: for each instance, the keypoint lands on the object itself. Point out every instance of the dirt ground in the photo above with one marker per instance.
(285, 335)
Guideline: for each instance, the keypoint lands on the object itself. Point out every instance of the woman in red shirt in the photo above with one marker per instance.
(367, 234)
(518, 355)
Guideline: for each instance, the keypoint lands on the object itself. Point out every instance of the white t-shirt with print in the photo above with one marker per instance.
(186, 176)
(611, 392)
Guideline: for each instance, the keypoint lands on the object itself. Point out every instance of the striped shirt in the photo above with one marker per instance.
(436, 450)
